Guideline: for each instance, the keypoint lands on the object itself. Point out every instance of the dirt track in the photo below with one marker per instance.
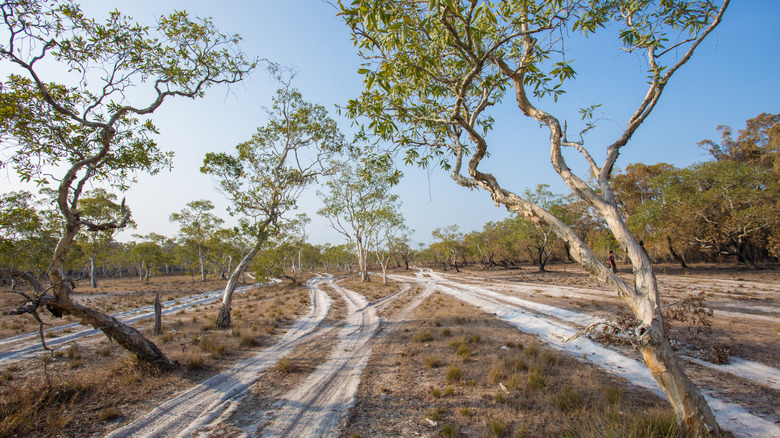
(320, 402)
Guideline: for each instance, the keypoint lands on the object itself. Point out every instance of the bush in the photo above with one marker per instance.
(248, 341)
(425, 336)
(496, 427)
(432, 362)
(454, 373)
(284, 366)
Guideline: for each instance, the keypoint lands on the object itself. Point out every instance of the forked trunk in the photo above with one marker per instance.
(223, 316)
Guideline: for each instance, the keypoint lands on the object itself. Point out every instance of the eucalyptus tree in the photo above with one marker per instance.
(27, 232)
(389, 234)
(196, 226)
(99, 206)
(450, 242)
(639, 193)
(435, 68)
(356, 200)
(91, 126)
(539, 238)
(150, 254)
(267, 174)
(724, 207)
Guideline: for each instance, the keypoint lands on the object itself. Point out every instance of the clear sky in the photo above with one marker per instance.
(734, 76)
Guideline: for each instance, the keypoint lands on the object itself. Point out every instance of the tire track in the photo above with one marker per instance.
(30, 342)
(197, 407)
(315, 408)
(731, 416)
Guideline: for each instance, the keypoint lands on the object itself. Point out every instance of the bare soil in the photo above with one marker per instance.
(440, 368)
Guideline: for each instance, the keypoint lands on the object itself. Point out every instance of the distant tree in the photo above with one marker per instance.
(99, 206)
(389, 232)
(268, 173)
(758, 144)
(725, 207)
(639, 191)
(539, 238)
(435, 69)
(150, 254)
(340, 256)
(355, 203)
(196, 225)
(449, 242)
(87, 127)
(27, 233)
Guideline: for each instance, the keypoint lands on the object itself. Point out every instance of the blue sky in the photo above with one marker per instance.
(734, 76)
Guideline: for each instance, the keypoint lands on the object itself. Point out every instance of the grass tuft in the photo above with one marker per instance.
(454, 373)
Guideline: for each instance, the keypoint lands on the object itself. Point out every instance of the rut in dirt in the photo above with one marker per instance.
(552, 325)
(321, 403)
(199, 407)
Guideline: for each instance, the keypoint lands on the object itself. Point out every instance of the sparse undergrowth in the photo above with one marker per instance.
(500, 383)
(94, 384)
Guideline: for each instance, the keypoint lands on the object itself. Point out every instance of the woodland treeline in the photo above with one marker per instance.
(723, 209)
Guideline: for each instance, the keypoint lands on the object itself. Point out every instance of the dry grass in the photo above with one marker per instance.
(94, 382)
(522, 389)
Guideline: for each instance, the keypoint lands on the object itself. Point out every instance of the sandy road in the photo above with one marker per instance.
(552, 325)
(26, 345)
(199, 408)
(318, 406)
(314, 408)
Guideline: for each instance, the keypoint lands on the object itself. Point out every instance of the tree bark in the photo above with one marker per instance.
(202, 268)
(674, 254)
(223, 316)
(362, 260)
(92, 269)
(743, 255)
(157, 314)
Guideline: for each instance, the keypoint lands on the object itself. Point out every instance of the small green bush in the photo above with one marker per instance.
(425, 336)
(454, 373)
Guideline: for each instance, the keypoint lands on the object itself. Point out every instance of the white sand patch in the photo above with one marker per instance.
(194, 409)
(730, 416)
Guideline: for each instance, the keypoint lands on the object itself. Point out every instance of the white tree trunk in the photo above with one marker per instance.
(92, 269)
(202, 268)
(223, 317)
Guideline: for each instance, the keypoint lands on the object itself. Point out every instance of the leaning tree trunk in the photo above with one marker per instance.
(674, 254)
(61, 304)
(223, 317)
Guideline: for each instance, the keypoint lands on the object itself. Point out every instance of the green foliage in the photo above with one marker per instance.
(359, 205)
(28, 232)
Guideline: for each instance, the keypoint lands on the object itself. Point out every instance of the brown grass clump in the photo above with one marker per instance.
(42, 410)
(506, 385)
